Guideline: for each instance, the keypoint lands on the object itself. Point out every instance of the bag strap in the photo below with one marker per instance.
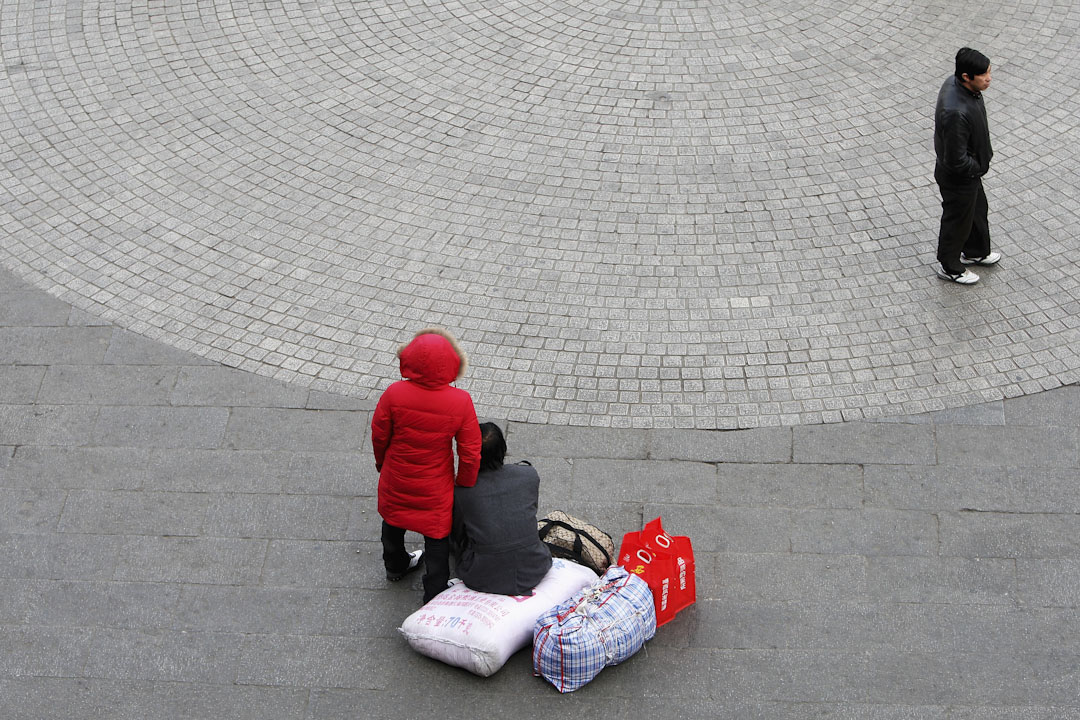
(578, 535)
(593, 595)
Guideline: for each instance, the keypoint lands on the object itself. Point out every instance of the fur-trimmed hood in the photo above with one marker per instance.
(433, 358)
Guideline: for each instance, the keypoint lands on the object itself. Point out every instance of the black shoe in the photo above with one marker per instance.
(416, 557)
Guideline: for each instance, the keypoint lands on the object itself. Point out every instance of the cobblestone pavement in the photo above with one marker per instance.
(635, 213)
(183, 540)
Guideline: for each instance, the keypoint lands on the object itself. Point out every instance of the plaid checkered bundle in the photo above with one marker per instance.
(599, 626)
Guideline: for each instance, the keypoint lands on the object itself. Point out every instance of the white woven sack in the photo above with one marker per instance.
(480, 631)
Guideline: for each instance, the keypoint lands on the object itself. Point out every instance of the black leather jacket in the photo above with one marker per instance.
(961, 134)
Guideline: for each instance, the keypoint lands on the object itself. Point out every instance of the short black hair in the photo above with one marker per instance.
(492, 447)
(971, 63)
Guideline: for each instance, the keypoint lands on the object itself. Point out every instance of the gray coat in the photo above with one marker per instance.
(495, 536)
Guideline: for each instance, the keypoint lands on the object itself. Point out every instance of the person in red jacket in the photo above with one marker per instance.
(416, 422)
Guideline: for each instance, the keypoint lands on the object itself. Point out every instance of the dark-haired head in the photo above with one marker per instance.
(971, 63)
(492, 447)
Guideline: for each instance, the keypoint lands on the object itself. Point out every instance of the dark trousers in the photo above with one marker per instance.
(436, 558)
(964, 228)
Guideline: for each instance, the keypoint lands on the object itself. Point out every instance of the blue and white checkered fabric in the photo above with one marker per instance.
(602, 625)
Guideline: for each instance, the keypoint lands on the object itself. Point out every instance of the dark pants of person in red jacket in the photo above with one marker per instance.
(436, 558)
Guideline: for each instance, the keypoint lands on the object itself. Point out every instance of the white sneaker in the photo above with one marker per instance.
(965, 278)
(990, 259)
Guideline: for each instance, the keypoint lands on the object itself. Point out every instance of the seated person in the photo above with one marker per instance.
(497, 546)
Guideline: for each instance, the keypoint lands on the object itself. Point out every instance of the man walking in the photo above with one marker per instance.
(962, 145)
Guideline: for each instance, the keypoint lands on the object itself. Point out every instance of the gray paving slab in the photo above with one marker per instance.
(60, 557)
(779, 576)
(93, 604)
(299, 430)
(106, 468)
(403, 703)
(992, 413)
(214, 560)
(786, 485)
(301, 517)
(314, 661)
(160, 427)
(1057, 409)
(751, 530)
(643, 481)
(97, 385)
(29, 510)
(213, 386)
(693, 281)
(1017, 445)
(943, 581)
(868, 532)
(911, 627)
(19, 383)
(45, 425)
(140, 512)
(322, 400)
(21, 308)
(1048, 582)
(875, 443)
(1036, 489)
(188, 657)
(343, 472)
(43, 652)
(324, 563)
(131, 699)
(546, 441)
(359, 612)
(79, 317)
(971, 534)
(203, 470)
(223, 608)
(53, 345)
(764, 445)
(128, 348)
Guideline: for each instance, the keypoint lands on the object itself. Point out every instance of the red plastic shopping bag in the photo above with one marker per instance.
(666, 563)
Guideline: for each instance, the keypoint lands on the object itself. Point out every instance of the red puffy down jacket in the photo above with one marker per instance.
(416, 422)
